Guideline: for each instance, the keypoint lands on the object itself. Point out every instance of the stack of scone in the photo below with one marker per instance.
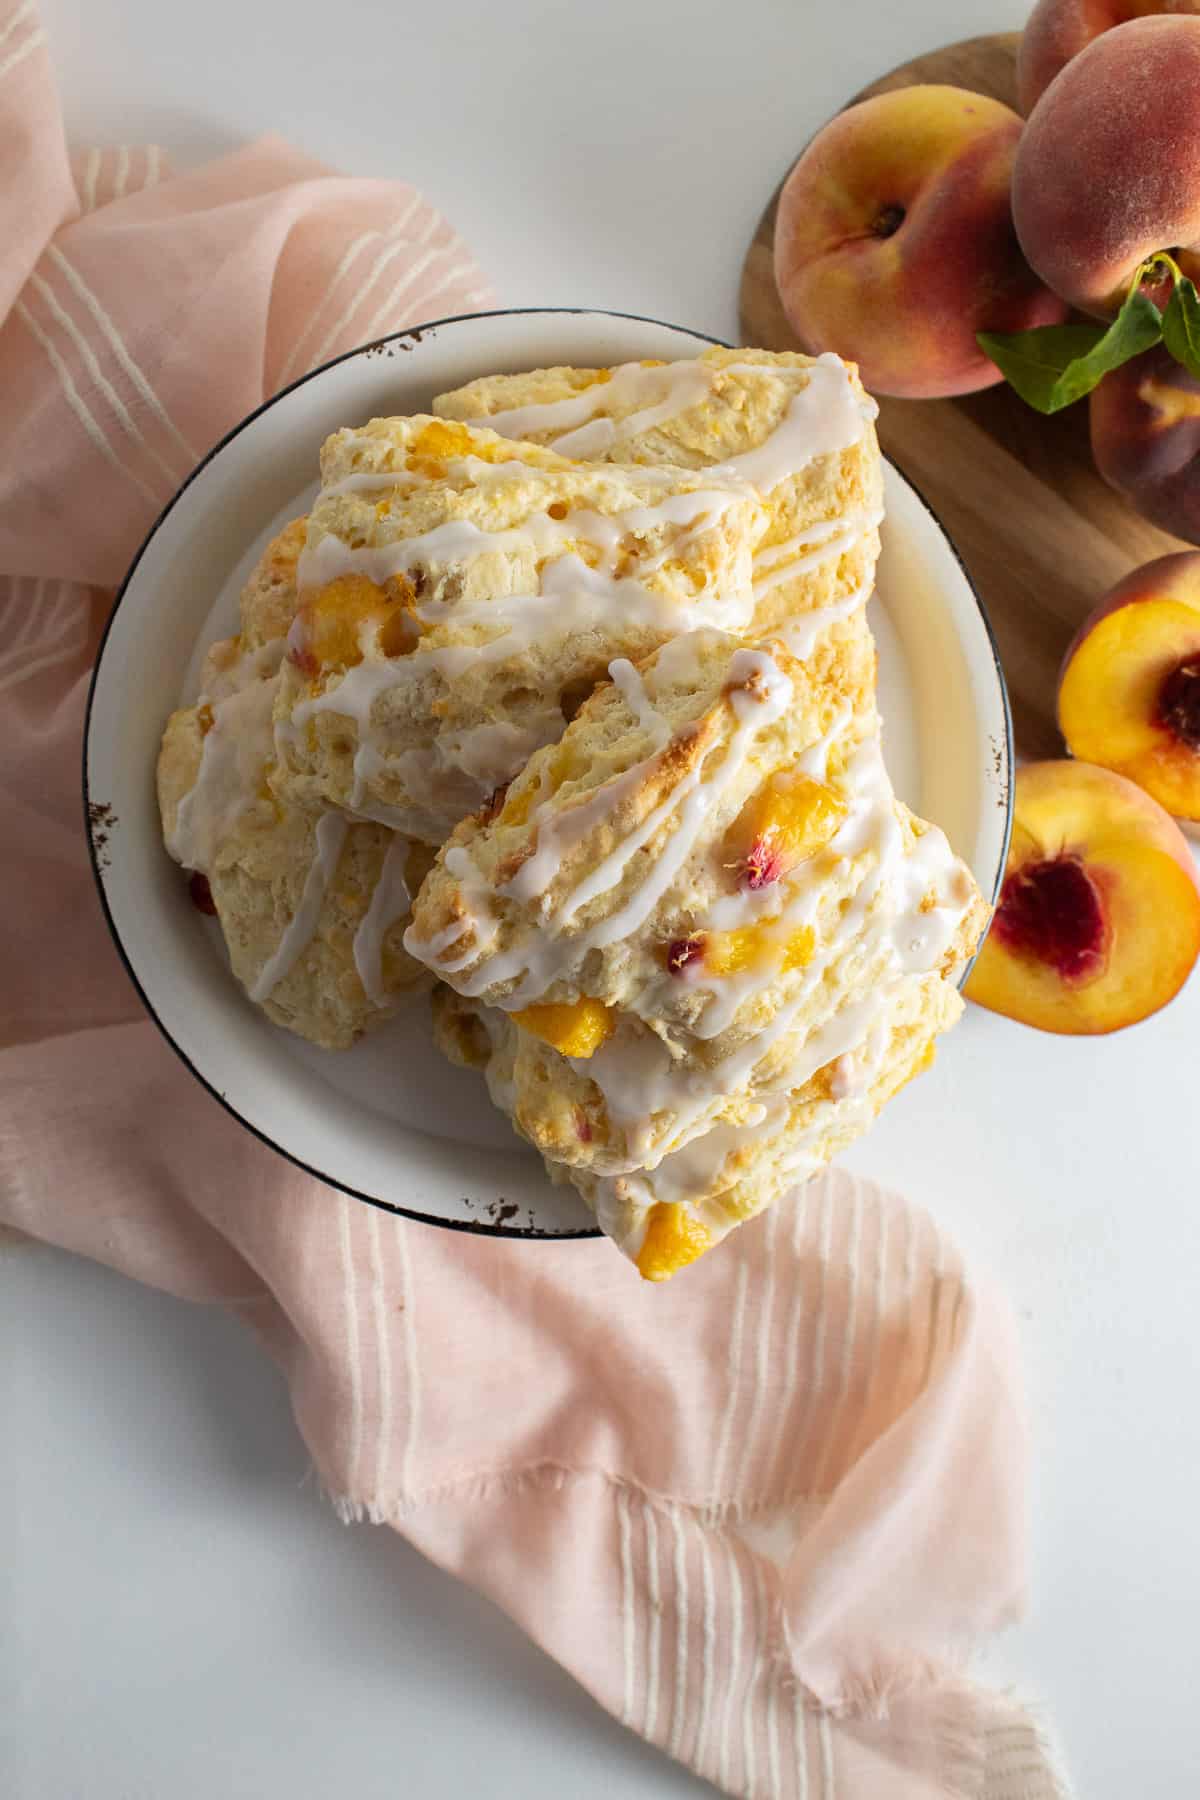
(598, 639)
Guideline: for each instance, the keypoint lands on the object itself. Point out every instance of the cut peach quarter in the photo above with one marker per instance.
(1129, 694)
(1098, 923)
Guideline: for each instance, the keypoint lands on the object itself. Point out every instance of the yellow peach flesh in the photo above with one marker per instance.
(574, 1028)
(1140, 877)
(790, 816)
(1109, 700)
(756, 947)
(336, 618)
(673, 1239)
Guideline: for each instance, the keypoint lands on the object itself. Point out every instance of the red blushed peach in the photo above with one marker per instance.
(1098, 923)
(1108, 169)
(1129, 693)
(894, 241)
(1145, 424)
(1060, 29)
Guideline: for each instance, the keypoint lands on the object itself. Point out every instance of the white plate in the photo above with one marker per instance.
(387, 1120)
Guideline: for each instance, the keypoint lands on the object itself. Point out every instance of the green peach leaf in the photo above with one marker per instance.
(1181, 325)
(1055, 365)
(1033, 362)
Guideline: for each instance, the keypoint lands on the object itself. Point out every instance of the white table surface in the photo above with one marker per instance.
(181, 1616)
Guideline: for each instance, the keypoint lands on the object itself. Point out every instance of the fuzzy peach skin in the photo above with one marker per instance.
(1108, 169)
(1145, 426)
(894, 241)
(1059, 29)
(1098, 923)
(1129, 693)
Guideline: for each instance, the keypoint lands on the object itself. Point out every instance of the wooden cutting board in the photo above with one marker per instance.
(1040, 533)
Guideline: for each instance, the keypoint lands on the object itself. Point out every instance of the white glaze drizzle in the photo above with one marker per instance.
(686, 385)
(759, 693)
(833, 540)
(390, 900)
(664, 392)
(825, 417)
(800, 633)
(641, 1080)
(572, 597)
(694, 1175)
(369, 481)
(822, 418)
(632, 690)
(330, 836)
(234, 755)
(543, 537)
(460, 770)
(686, 1176)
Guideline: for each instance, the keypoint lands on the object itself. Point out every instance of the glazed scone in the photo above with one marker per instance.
(702, 896)
(312, 906)
(665, 1218)
(798, 428)
(461, 593)
(613, 845)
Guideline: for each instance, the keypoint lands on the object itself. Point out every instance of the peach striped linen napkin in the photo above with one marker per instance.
(764, 1514)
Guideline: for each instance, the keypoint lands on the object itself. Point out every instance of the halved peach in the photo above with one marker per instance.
(1098, 923)
(1129, 693)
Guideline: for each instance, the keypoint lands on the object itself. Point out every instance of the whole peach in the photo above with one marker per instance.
(894, 241)
(1108, 169)
(1145, 424)
(1060, 29)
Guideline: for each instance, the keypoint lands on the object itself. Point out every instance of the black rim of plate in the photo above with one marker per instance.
(478, 1227)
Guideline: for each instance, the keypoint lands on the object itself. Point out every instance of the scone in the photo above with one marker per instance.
(690, 912)
(312, 906)
(269, 599)
(665, 1218)
(460, 594)
(798, 428)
